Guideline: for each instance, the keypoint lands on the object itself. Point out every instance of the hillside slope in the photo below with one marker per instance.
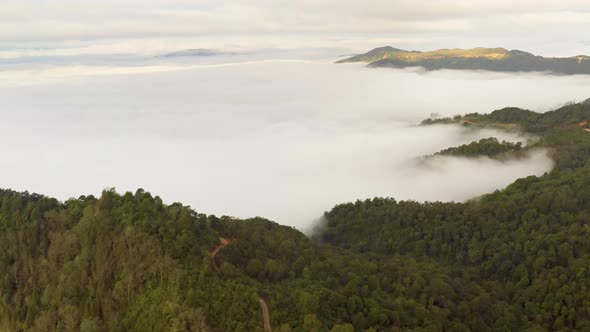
(516, 259)
(491, 59)
(528, 244)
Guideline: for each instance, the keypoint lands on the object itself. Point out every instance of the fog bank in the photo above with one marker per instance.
(282, 140)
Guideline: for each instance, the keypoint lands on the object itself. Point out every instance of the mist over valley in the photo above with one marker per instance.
(280, 139)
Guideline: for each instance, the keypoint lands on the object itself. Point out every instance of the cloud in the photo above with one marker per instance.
(34, 20)
(284, 140)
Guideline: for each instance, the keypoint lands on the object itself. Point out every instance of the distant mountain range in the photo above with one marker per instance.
(491, 59)
(197, 52)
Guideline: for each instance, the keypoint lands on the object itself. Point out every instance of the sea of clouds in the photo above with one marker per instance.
(281, 139)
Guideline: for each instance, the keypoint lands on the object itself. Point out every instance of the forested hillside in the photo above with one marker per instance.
(514, 260)
(527, 245)
(490, 59)
(489, 147)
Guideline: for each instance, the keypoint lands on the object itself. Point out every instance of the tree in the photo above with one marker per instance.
(311, 323)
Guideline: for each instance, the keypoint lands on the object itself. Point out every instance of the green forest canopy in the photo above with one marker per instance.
(517, 259)
(489, 147)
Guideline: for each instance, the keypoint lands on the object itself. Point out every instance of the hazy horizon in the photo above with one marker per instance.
(151, 27)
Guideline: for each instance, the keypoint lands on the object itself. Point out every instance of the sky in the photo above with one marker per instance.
(545, 27)
(267, 126)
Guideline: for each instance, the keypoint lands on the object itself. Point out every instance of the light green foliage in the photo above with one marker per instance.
(492, 59)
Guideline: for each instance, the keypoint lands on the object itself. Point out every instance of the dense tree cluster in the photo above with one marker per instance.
(515, 260)
(516, 62)
(489, 147)
(129, 262)
(528, 245)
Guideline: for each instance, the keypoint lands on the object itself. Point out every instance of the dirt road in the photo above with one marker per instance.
(265, 316)
(223, 242)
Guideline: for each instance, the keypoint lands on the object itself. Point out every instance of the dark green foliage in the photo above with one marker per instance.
(511, 115)
(514, 260)
(96, 264)
(516, 63)
(527, 246)
(130, 263)
(489, 147)
(532, 122)
(561, 130)
(431, 121)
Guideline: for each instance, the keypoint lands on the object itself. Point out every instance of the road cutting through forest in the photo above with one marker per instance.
(224, 242)
(265, 315)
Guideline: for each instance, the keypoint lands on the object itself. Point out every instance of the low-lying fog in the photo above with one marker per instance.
(282, 140)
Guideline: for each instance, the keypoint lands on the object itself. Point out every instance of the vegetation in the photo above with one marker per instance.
(128, 262)
(492, 59)
(513, 260)
(432, 121)
(526, 246)
(489, 147)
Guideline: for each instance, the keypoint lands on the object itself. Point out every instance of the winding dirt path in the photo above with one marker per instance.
(265, 316)
(223, 242)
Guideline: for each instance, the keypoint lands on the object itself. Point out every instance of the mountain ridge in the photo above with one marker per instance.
(480, 58)
(194, 52)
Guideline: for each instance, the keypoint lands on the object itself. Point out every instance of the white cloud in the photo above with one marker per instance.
(34, 20)
(283, 140)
